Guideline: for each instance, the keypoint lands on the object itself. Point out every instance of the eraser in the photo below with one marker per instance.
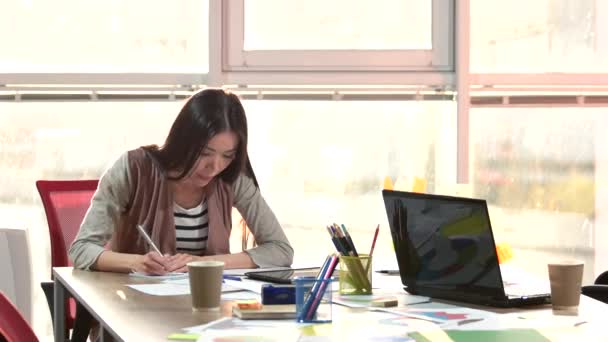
(385, 302)
(249, 305)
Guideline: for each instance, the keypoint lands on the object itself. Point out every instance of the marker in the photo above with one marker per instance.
(231, 277)
(389, 272)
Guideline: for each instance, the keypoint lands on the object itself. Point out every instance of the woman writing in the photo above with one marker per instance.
(182, 194)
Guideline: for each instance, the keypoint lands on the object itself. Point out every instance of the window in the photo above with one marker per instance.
(336, 20)
(104, 36)
(339, 35)
(538, 169)
(320, 162)
(539, 36)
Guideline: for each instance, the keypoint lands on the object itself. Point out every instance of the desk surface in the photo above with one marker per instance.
(130, 314)
(135, 316)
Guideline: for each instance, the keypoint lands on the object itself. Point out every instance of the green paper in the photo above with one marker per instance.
(519, 335)
(183, 337)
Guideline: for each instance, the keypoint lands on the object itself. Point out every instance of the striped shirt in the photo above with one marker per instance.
(191, 228)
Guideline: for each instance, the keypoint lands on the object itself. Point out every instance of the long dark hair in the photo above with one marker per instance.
(205, 114)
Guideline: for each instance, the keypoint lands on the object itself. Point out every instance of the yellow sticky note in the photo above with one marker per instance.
(419, 185)
(388, 183)
(504, 252)
(183, 337)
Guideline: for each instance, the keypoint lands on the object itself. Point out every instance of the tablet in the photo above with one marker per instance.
(282, 276)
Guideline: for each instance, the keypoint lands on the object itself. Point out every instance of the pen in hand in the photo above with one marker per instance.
(148, 240)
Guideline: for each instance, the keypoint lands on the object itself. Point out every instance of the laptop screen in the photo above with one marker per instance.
(444, 243)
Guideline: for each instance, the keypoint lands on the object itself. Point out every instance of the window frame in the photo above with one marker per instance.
(439, 58)
(136, 79)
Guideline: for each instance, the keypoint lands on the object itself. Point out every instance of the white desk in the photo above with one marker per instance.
(128, 315)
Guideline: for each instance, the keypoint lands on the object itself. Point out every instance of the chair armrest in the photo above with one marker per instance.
(47, 288)
(599, 292)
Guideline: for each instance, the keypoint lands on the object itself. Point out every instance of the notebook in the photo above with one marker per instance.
(445, 249)
(266, 312)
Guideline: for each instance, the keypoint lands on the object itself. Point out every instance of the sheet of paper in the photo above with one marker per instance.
(173, 275)
(452, 318)
(168, 289)
(384, 281)
(241, 295)
(178, 281)
(363, 301)
(161, 289)
(251, 334)
(200, 328)
(233, 323)
(546, 319)
(242, 271)
(186, 282)
(246, 284)
(229, 328)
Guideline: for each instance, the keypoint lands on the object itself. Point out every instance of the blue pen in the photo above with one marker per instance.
(320, 291)
(231, 277)
(310, 295)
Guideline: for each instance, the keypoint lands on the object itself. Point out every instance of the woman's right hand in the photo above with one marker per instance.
(151, 263)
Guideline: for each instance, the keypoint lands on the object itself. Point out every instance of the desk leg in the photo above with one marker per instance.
(104, 334)
(59, 294)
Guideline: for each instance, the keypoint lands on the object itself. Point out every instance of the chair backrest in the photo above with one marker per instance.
(65, 204)
(13, 327)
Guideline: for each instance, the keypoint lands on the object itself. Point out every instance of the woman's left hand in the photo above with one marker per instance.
(177, 262)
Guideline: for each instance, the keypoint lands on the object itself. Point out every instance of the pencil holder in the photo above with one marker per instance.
(355, 275)
(313, 300)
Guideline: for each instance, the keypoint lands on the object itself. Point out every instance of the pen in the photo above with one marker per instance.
(319, 292)
(148, 240)
(389, 272)
(467, 321)
(231, 277)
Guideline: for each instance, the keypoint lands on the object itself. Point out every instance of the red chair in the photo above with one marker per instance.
(13, 327)
(65, 204)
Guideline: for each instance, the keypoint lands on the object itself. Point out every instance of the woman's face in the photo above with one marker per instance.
(214, 158)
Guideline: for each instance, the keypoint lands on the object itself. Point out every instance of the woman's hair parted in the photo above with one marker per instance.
(205, 114)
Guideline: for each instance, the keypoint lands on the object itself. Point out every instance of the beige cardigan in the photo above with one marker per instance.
(135, 190)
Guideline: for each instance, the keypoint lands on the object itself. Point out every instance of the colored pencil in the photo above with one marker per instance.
(374, 240)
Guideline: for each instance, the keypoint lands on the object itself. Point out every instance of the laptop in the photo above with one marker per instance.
(445, 249)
